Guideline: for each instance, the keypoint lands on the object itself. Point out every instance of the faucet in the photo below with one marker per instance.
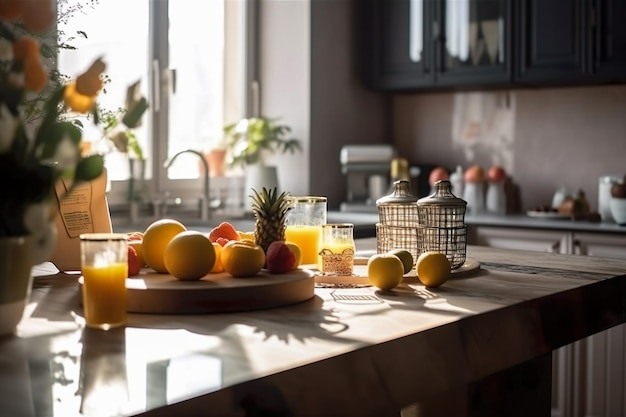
(205, 212)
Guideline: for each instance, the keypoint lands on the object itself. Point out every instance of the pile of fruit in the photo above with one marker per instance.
(166, 246)
(386, 270)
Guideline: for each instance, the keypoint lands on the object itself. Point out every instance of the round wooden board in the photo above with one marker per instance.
(359, 276)
(150, 292)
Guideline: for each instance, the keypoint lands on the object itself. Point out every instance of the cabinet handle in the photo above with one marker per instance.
(156, 85)
(438, 45)
(579, 248)
(555, 248)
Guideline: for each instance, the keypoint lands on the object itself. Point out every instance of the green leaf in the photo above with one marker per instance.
(132, 118)
(89, 168)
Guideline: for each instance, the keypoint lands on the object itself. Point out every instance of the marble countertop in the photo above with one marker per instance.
(347, 351)
(365, 223)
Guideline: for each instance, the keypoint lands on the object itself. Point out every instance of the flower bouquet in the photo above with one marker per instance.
(34, 155)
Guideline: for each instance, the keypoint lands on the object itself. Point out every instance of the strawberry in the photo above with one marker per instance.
(133, 262)
(224, 230)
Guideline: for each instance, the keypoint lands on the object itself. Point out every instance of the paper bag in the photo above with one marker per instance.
(83, 210)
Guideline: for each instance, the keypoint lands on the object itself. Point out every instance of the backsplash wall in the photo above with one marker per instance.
(561, 137)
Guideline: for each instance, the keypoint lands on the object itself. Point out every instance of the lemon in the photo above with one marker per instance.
(385, 271)
(433, 268)
(189, 256)
(156, 238)
(406, 258)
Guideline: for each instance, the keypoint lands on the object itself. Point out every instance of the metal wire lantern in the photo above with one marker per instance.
(442, 227)
(397, 213)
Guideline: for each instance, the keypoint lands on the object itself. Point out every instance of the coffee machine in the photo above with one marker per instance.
(367, 170)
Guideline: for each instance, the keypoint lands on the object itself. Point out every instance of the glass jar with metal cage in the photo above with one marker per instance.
(441, 224)
(397, 212)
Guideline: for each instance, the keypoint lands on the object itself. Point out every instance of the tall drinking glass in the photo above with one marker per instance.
(104, 266)
(304, 225)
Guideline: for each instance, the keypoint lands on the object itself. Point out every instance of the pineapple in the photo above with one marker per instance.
(270, 211)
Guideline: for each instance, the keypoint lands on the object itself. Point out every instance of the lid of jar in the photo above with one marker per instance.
(442, 196)
(401, 194)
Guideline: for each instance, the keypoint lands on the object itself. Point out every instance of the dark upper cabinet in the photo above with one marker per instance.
(438, 43)
(469, 44)
(609, 40)
(552, 41)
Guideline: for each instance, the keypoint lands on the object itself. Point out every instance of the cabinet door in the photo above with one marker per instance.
(472, 42)
(599, 244)
(401, 37)
(609, 58)
(507, 238)
(553, 41)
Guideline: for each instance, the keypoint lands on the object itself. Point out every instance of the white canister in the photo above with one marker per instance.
(496, 198)
(604, 196)
(474, 195)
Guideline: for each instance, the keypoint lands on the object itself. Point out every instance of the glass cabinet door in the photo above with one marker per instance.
(473, 41)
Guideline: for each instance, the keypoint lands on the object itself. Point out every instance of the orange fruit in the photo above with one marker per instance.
(433, 268)
(438, 173)
(217, 266)
(475, 173)
(156, 238)
(496, 173)
(242, 258)
(189, 256)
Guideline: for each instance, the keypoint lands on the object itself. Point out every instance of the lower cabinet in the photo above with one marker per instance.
(589, 376)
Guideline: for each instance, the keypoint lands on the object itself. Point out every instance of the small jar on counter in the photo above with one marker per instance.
(337, 249)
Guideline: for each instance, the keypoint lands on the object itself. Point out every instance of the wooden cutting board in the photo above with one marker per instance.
(150, 292)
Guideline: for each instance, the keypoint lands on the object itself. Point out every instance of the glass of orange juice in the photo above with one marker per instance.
(104, 267)
(304, 225)
(337, 252)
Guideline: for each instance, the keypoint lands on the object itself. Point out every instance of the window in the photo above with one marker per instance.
(178, 51)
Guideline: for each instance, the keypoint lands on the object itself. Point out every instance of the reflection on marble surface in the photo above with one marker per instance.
(300, 359)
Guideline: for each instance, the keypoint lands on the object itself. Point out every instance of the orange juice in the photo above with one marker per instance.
(337, 248)
(105, 294)
(308, 239)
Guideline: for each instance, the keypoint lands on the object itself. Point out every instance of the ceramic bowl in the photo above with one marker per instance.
(618, 210)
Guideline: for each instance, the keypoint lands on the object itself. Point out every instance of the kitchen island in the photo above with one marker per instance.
(479, 345)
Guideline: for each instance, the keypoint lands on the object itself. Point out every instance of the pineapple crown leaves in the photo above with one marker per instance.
(270, 204)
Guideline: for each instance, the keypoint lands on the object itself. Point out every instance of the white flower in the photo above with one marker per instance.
(66, 155)
(8, 126)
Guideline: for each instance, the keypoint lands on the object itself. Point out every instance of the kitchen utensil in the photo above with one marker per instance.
(442, 225)
(397, 213)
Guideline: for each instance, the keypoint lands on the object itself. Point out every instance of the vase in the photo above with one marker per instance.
(216, 160)
(257, 177)
(16, 263)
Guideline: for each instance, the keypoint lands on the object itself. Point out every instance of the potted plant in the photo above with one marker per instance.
(250, 140)
(35, 154)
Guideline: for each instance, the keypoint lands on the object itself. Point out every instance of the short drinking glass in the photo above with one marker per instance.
(337, 249)
(104, 267)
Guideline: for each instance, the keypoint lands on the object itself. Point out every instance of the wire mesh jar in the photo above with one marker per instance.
(442, 226)
(397, 213)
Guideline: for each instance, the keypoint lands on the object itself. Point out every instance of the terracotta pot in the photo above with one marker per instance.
(16, 262)
(216, 159)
